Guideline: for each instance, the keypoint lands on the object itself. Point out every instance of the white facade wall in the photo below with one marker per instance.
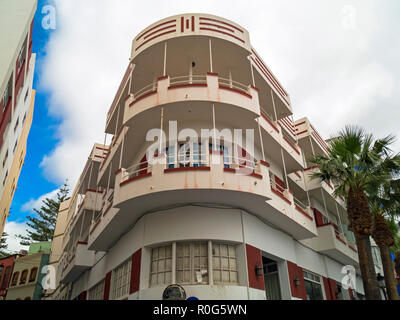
(201, 223)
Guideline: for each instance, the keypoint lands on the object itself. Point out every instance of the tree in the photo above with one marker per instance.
(42, 226)
(3, 245)
(354, 163)
(384, 202)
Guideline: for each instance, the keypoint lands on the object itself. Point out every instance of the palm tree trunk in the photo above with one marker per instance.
(388, 270)
(370, 282)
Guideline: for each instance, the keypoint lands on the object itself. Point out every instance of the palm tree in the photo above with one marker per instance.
(384, 202)
(354, 163)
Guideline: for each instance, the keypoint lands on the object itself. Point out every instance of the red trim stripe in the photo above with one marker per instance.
(235, 90)
(270, 122)
(268, 70)
(272, 82)
(159, 25)
(215, 25)
(187, 85)
(292, 145)
(154, 32)
(159, 35)
(228, 24)
(223, 32)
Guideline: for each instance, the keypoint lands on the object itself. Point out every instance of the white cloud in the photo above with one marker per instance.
(13, 228)
(335, 75)
(37, 203)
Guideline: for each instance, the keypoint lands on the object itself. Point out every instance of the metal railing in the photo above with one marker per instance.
(233, 84)
(136, 170)
(149, 88)
(300, 204)
(189, 79)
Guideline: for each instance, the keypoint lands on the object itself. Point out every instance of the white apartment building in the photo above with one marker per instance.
(17, 64)
(224, 216)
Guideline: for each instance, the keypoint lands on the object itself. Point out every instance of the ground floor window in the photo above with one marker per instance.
(161, 265)
(198, 262)
(313, 286)
(97, 291)
(121, 277)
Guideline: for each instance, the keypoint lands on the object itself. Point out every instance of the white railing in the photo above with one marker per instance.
(233, 84)
(300, 204)
(240, 163)
(149, 88)
(189, 79)
(136, 170)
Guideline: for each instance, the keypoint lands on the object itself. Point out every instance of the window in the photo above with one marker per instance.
(161, 265)
(313, 286)
(192, 263)
(15, 279)
(32, 276)
(6, 277)
(224, 264)
(21, 57)
(5, 158)
(5, 178)
(97, 291)
(15, 146)
(16, 125)
(24, 276)
(26, 94)
(121, 280)
(24, 118)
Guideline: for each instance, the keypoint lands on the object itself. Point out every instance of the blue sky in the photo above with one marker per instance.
(338, 60)
(32, 183)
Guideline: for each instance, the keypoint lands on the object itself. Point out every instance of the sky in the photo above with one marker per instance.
(338, 60)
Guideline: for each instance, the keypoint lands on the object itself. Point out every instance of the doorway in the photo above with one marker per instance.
(271, 279)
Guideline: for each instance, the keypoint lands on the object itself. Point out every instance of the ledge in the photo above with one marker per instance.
(108, 209)
(270, 122)
(187, 169)
(135, 178)
(235, 90)
(142, 97)
(303, 212)
(281, 195)
(186, 85)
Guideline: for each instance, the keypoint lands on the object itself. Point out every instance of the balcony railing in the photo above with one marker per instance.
(229, 83)
(189, 79)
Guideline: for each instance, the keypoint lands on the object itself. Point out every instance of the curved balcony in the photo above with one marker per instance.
(189, 25)
(210, 180)
(237, 98)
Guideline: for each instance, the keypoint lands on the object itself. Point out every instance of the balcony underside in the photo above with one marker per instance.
(73, 272)
(133, 209)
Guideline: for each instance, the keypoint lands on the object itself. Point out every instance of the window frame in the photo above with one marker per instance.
(127, 276)
(313, 283)
(97, 291)
(24, 276)
(209, 279)
(30, 279)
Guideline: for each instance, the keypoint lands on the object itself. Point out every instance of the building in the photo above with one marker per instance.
(6, 270)
(26, 280)
(226, 213)
(56, 249)
(17, 97)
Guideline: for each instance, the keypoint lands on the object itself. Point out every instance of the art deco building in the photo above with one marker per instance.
(222, 203)
(17, 97)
